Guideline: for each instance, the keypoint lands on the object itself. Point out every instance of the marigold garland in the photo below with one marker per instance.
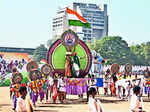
(75, 82)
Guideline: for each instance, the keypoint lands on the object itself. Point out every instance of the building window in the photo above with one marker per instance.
(98, 24)
(89, 35)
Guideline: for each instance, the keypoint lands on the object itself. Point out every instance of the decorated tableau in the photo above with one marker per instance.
(70, 56)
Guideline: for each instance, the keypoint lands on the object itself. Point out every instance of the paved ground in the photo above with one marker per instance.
(73, 104)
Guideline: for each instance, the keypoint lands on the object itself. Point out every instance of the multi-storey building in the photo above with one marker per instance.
(95, 14)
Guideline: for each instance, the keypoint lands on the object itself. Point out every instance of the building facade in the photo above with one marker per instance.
(95, 14)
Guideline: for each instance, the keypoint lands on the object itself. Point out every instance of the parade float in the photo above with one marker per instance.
(70, 57)
(65, 47)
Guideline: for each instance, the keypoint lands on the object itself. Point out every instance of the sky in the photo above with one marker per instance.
(28, 23)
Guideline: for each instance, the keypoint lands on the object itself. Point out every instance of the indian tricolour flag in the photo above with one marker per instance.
(76, 19)
(43, 61)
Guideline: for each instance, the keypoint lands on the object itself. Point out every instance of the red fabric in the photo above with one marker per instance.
(68, 66)
(55, 94)
(96, 106)
(113, 89)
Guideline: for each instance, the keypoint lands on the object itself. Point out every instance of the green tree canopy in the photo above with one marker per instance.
(139, 51)
(115, 49)
(39, 53)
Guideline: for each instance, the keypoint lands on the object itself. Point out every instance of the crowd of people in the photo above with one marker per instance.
(6, 65)
(122, 86)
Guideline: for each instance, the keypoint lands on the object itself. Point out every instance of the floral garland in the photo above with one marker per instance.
(34, 86)
(16, 89)
(75, 82)
(148, 81)
(69, 81)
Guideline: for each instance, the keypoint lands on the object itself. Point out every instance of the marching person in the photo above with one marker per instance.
(23, 105)
(62, 89)
(34, 86)
(94, 105)
(50, 83)
(113, 89)
(55, 90)
(136, 101)
(106, 81)
(91, 84)
(96, 69)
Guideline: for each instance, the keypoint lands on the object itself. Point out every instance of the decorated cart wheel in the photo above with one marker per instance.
(128, 67)
(34, 75)
(56, 56)
(17, 78)
(115, 68)
(32, 66)
(46, 69)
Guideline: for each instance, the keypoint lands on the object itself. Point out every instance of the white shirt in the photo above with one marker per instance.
(92, 83)
(94, 105)
(61, 85)
(135, 103)
(21, 105)
(50, 82)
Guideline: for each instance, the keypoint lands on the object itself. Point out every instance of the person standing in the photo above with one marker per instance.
(23, 105)
(76, 64)
(136, 101)
(94, 105)
(68, 65)
(106, 79)
(50, 83)
(62, 89)
(55, 90)
(91, 84)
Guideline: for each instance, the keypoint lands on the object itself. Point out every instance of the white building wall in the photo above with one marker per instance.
(94, 14)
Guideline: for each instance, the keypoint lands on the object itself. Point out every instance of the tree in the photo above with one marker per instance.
(50, 42)
(115, 50)
(147, 53)
(90, 45)
(39, 53)
(139, 51)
